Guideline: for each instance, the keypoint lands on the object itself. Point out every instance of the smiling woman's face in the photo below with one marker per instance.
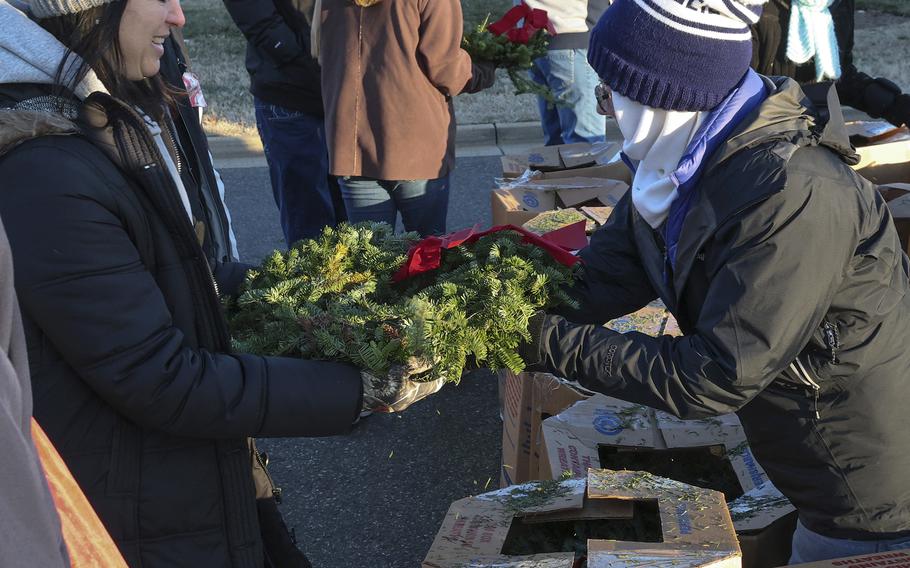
(143, 28)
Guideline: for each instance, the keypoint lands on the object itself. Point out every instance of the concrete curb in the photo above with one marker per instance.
(470, 140)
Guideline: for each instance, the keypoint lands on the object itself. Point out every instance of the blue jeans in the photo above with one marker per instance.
(298, 159)
(567, 73)
(809, 546)
(423, 204)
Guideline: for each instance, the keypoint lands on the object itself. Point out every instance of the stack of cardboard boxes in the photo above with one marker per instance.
(604, 432)
(617, 519)
(581, 177)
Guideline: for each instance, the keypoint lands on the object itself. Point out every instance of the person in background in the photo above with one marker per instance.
(780, 263)
(812, 41)
(285, 83)
(566, 72)
(390, 71)
(29, 525)
(132, 372)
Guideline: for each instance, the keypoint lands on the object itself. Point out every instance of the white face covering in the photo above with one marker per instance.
(657, 140)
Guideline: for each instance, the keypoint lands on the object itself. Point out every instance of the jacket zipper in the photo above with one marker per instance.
(276, 491)
(212, 182)
(803, 375)
(832, 340)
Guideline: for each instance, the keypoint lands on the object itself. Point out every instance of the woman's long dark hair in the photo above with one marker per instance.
(94, 35)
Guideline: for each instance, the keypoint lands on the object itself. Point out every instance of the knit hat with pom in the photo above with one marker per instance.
(684, 55)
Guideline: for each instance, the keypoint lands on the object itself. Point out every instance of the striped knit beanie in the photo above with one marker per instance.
(41, 9)
(684, 55)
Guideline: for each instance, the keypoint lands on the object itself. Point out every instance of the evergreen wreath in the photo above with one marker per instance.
(333, 298)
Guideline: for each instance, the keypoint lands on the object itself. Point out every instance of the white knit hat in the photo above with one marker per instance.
(50, 8)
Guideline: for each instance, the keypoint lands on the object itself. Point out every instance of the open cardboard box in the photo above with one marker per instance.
(545, 524)
(529, 398)
(561, 157)
(604, 432)
(885, 163)
(892, 559)
(897, 195)
(518, 205)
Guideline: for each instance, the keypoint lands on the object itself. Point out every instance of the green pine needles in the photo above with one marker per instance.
(332, 298)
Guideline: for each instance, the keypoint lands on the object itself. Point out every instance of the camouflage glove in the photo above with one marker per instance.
(397, 391)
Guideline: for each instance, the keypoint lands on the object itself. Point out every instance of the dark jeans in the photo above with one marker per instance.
(295, 150)
(423, 204)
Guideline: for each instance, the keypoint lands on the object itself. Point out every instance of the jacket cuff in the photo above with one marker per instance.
(310, 398)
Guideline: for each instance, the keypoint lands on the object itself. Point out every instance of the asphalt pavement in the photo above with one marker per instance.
(376, 497)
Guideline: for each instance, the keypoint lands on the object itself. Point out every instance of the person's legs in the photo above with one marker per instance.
(809, 546)
(571, 78)
(424, 205)
(367, 199)
(295, 149)
(549, 118)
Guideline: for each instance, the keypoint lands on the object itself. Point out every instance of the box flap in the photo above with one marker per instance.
(759, 508)
(608, 192)
(609, 554)
(583, 154)
(679, 433)
(893, 559)
(885, 163)
(544, 157)
(688, 515)
(573, 439)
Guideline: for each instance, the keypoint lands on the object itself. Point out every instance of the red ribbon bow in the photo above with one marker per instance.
(534, 18)
(426, 255)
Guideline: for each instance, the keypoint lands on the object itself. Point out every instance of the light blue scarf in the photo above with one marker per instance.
(811, 34)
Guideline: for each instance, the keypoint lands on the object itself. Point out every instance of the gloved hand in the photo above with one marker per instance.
(484, 75)
(898, 113)
(531, 351)
(397, 391)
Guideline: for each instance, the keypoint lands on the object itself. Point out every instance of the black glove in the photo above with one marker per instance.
(898, 113)
(531, 351)
(483, 77)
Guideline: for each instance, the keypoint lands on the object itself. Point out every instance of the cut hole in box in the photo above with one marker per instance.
(702, 466)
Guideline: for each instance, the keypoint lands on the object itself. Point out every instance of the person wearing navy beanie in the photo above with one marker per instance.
(781, 265)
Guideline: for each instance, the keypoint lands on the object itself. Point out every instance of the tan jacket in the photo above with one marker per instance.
(389, 72)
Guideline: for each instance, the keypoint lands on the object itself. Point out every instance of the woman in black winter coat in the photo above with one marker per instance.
(133, 376)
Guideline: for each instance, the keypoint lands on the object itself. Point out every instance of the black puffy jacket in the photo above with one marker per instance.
(133, 377)
(792, 290)
(282, 72)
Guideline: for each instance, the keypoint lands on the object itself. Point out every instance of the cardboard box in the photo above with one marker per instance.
(604, 432)
(892, 559)
(530, 398)
(562, 157)
(518, 205)
(897, 195)
(694, 530)
(885, 163)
